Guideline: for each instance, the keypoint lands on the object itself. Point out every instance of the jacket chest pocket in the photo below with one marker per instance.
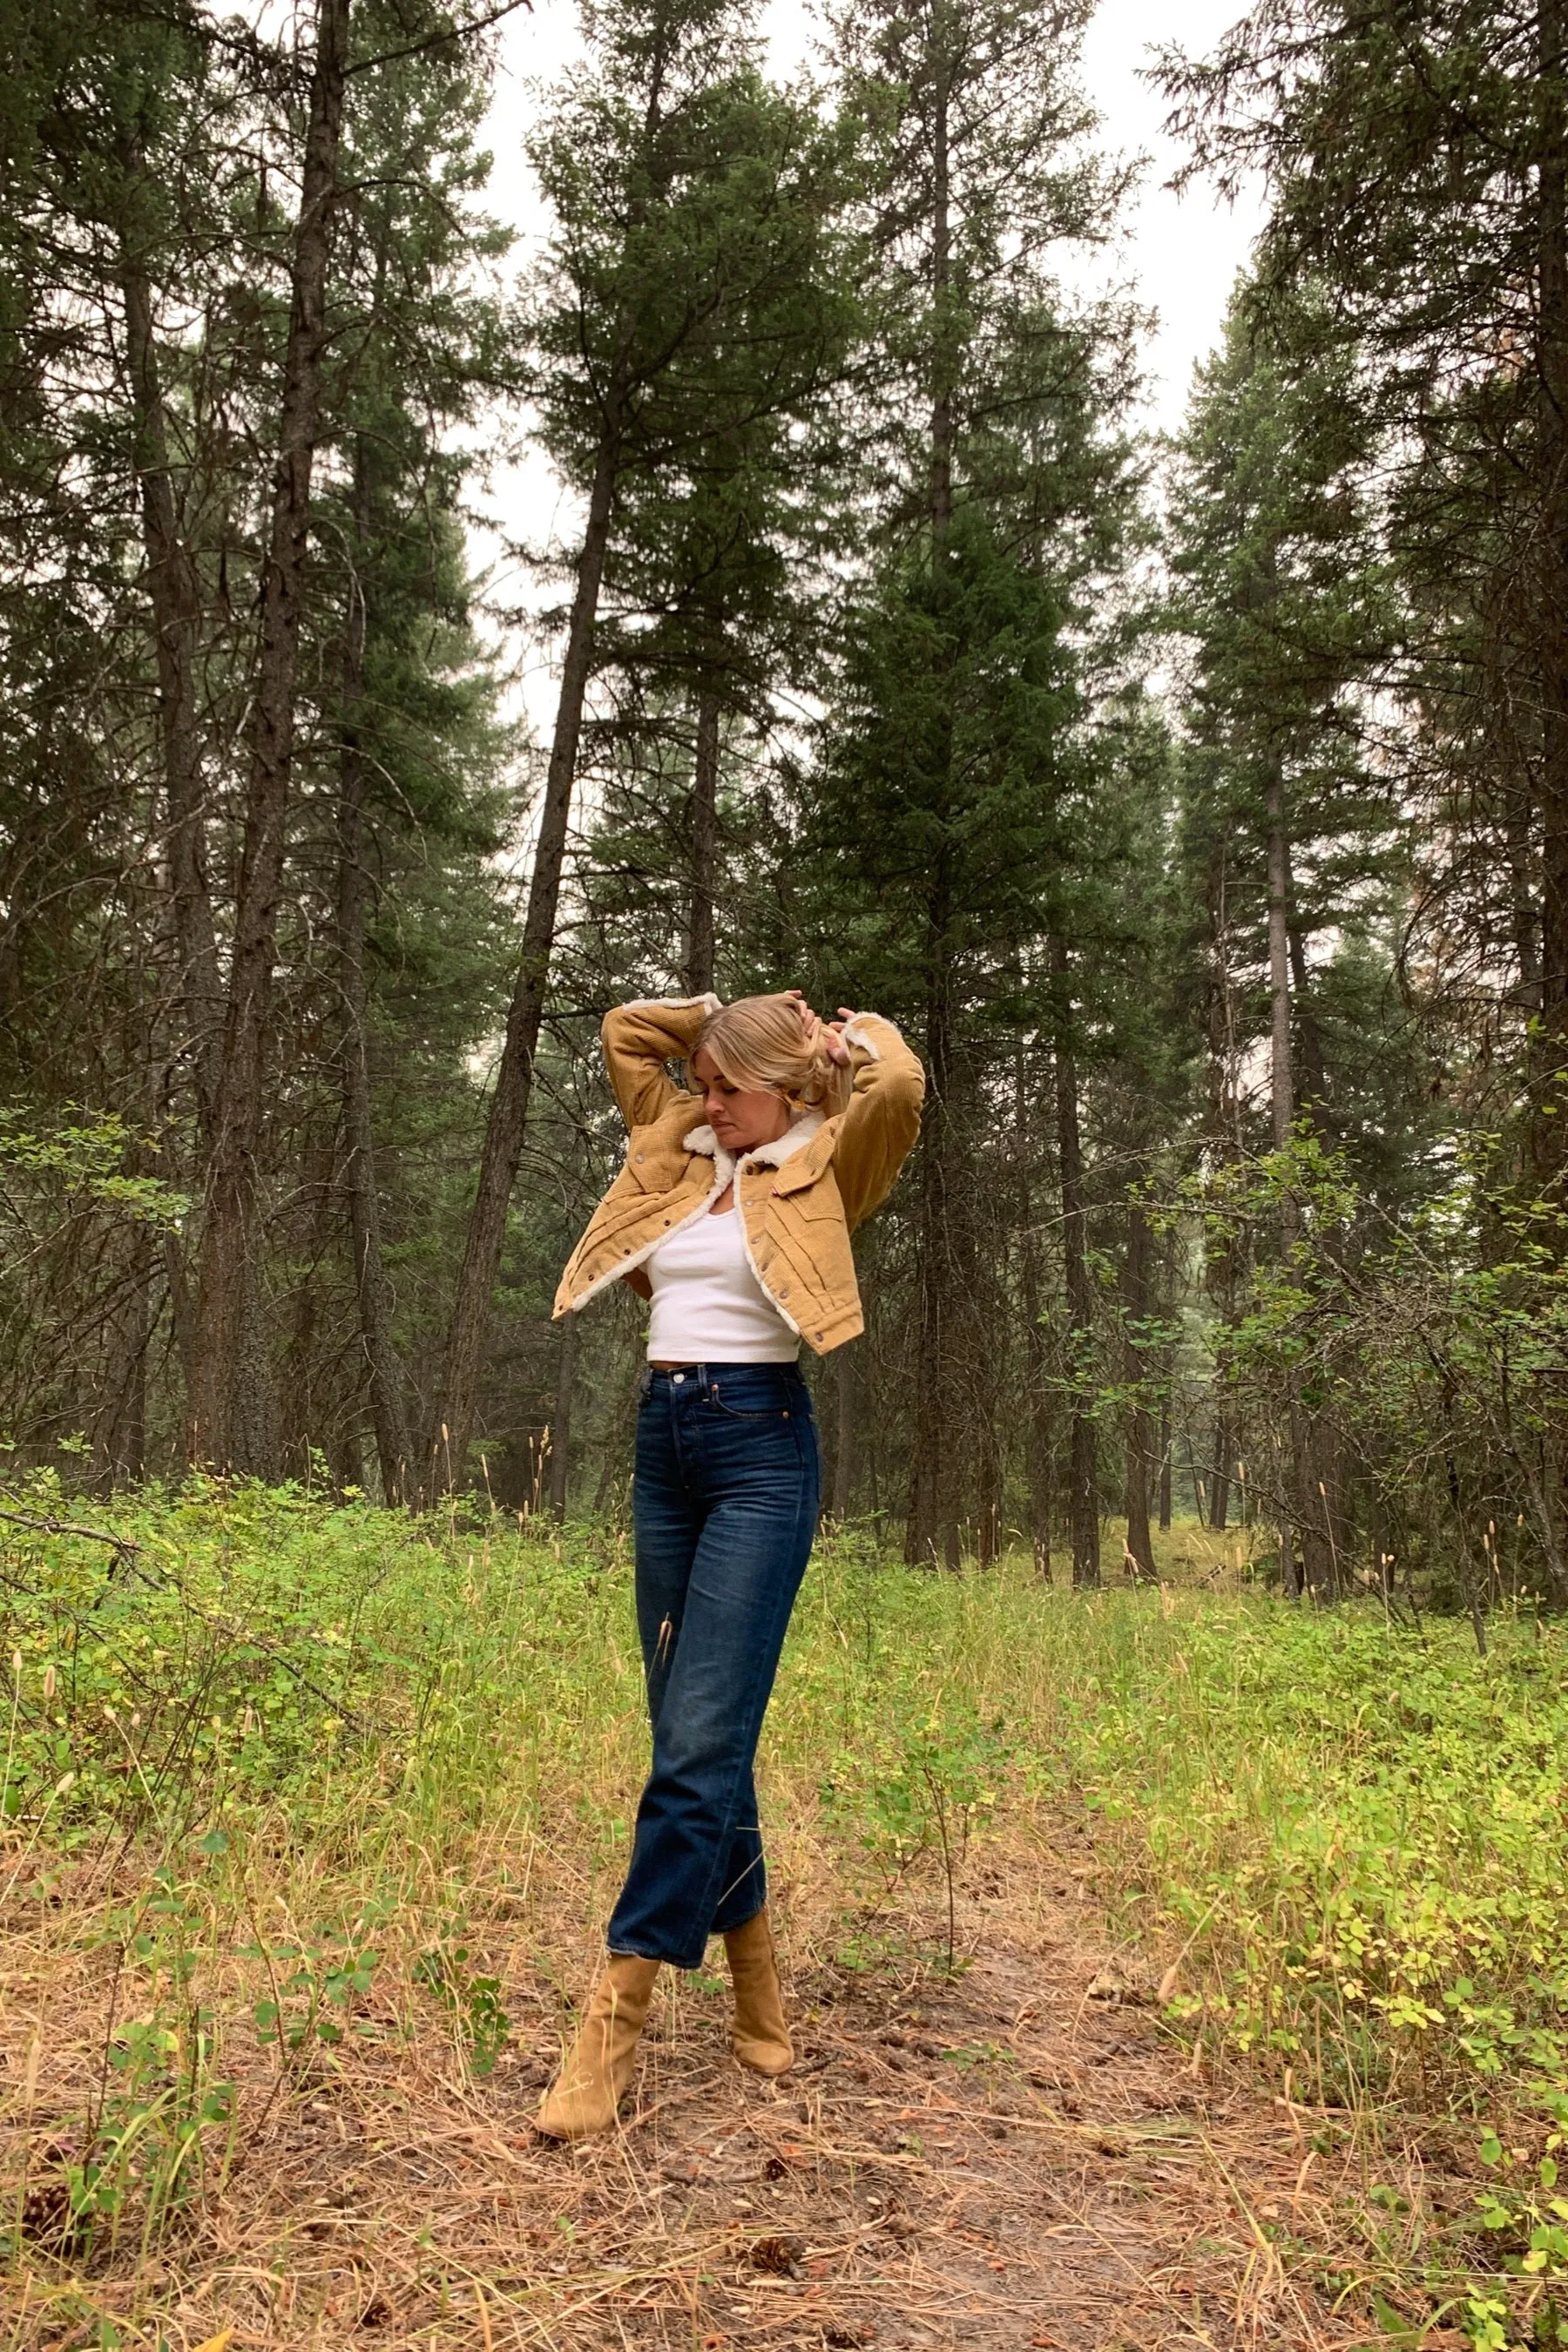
(812, 1207)
(644, 1171)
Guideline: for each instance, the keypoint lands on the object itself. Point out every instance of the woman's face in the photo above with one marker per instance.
(740, 1116)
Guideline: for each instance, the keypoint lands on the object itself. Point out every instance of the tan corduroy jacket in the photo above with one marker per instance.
(798, 1199)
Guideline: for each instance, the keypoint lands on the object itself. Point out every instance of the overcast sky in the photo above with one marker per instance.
(1181, 254)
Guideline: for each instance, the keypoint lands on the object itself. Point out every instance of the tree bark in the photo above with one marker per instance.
(560, 1428)
(373, 1292)
(941, 419)
(1219, 1475)
(931, 1528)
(453, 1419)
(228, 1423)
(1037, 1366)
(1303, 1511)
(843, 1432)
(174, 593)
(1135, 1298)
(932, 1532)
(1313, 1091)
(698, 978)
(1037, 1408)
(1083, 1468)
(1283, 1084)
(1549, 1125)
(1550, 1088)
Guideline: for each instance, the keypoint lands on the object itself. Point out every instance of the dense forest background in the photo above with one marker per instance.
(1200, 811)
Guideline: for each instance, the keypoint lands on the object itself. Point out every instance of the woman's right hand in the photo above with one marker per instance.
(830, 1032)
(833, 1036)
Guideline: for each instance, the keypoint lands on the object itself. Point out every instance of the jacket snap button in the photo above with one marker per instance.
(785, 1292)
(639, 1158)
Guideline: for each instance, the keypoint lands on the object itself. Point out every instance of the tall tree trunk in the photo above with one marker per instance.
(227, 1423)
(1225, 1127)
(1083, 1467)
(1219, 1475)
(843, 1432)
(1140, 1449)
(561, 1427)
(1037, 1409)
(1313, 1091)
(1302, 1516)
(931, 1531)
(458, 1396)
(119, 1429)
(1037, 1366)
(941, 417)
(1283, 1083)
(697, 977)
(1551, 1143)
(373, 1292)
(931, 1528)
(174, 596)
(1549, 1087)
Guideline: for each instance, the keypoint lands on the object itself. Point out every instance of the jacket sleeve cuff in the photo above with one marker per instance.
(856, 1032)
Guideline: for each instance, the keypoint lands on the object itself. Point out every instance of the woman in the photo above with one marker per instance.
(733, 1215)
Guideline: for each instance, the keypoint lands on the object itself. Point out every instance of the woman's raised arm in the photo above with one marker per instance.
(877, 1131)
(639, 1039)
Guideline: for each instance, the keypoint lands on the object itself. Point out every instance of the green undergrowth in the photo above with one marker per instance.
(1353, 1834)
(1341, 1841)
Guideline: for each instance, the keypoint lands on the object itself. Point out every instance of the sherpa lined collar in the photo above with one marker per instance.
(795, 1139)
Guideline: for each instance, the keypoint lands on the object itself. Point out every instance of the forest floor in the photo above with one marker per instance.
(1012, 2154)
(1164, 1965)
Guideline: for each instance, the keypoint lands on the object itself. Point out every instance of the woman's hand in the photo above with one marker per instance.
(810, 1022)
(833, 1034)
(813, 1026)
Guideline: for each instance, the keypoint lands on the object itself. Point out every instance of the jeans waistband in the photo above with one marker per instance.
(699, 1376)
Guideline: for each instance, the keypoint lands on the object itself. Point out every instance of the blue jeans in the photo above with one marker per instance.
(725, 1507)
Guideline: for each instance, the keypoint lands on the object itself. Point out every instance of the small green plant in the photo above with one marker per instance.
(937, 1784)
(147, 2144)
(1522, 2208)
(142, 2155)
(316, 1987)
(474, 2002)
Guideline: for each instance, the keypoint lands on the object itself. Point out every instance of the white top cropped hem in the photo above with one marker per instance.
(708, 1305)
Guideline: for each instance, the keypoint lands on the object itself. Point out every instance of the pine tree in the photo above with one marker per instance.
(995, 487)
(1284, 597)
(679, 329)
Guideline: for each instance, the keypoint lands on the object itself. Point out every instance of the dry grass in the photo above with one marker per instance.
(997, 2159)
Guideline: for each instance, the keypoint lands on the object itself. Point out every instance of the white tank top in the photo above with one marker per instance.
(708, 1305)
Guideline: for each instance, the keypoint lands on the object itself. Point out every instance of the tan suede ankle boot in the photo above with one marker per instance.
(761, 2038)
(597, 2070)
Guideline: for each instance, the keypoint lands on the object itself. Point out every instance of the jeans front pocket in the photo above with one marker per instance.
(758, 1398)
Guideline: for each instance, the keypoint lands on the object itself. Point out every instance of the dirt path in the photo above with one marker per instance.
(1008, 2158)
(1005, 2160)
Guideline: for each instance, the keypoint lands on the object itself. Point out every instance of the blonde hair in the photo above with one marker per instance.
(758, 1042)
